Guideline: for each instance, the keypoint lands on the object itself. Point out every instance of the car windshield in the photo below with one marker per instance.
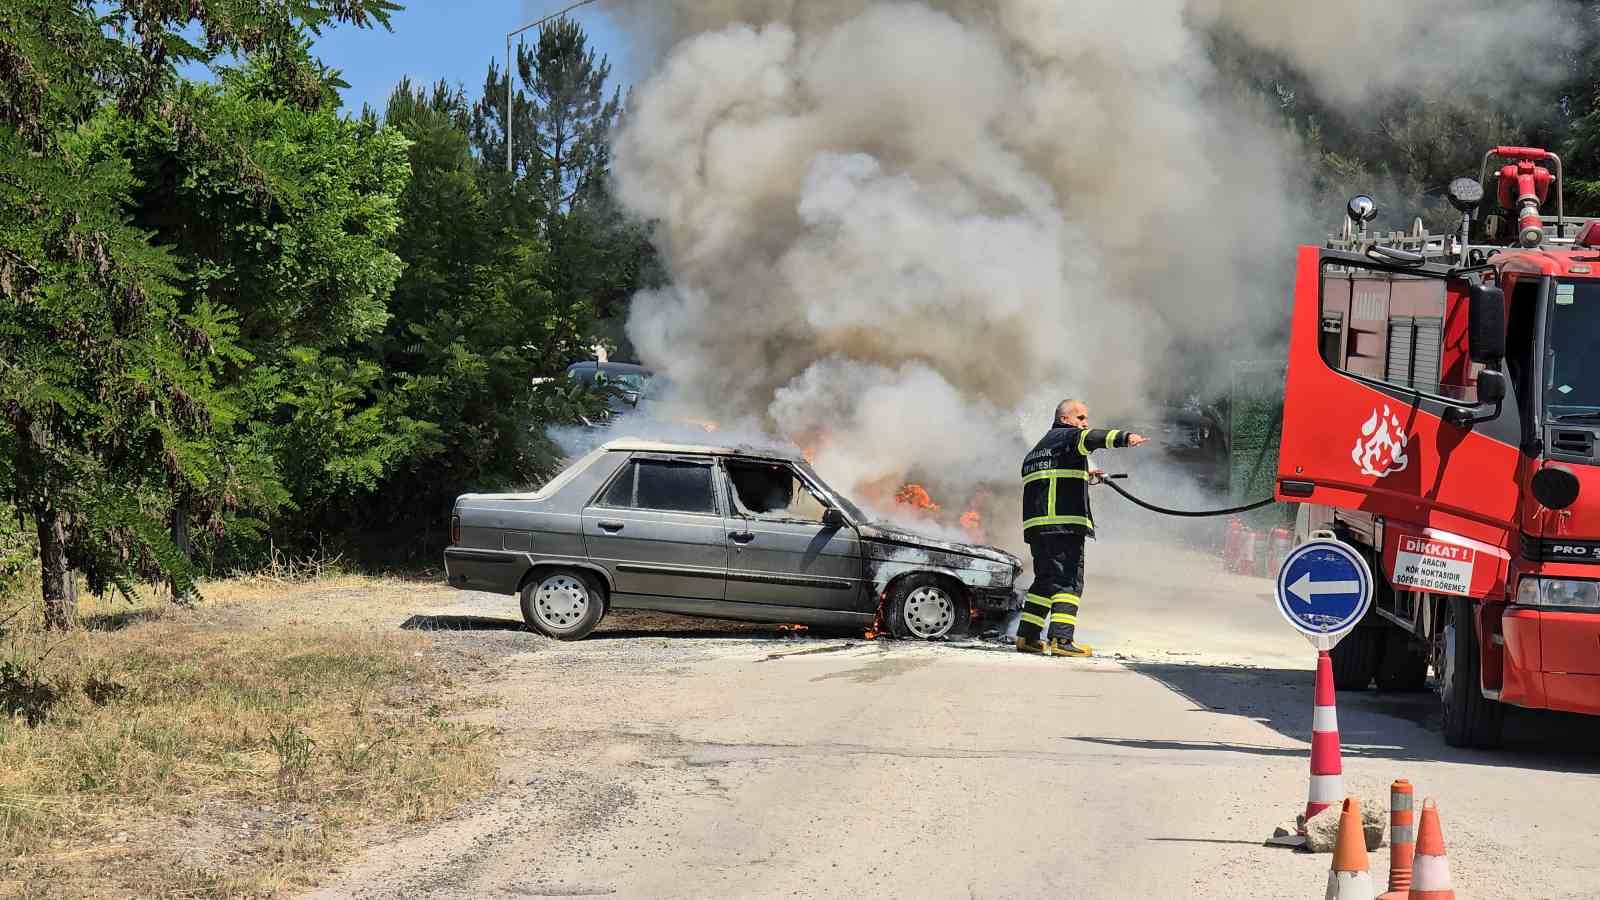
(1572, 367)
(849, 509)
(630, 382)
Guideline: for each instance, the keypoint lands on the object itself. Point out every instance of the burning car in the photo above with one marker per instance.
(728, 533)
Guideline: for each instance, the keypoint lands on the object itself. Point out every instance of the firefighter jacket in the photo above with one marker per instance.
(1055, 480)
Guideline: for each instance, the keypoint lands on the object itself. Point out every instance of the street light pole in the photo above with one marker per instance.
(509, 36)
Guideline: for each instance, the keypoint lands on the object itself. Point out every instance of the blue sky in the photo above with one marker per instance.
(453, 40)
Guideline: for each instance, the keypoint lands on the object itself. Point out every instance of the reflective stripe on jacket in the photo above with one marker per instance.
(1055, 479)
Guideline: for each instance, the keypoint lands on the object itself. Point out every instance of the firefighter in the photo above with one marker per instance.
(1055, 521)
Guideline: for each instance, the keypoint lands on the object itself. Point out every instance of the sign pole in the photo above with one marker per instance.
(1324, 590)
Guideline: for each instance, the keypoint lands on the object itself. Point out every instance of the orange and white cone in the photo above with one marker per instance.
(1402, 839)
(1350, 877)
(1430, 870)
(1327, 769)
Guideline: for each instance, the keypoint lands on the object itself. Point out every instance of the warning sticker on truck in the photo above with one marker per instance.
(1432, 565)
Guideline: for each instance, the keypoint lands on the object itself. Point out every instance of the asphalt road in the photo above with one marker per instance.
(668, 760)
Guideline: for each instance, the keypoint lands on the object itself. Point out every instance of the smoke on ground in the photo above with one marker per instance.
(898, 233)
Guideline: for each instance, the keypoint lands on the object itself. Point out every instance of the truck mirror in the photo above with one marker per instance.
(1491, 386)
(1486, 323)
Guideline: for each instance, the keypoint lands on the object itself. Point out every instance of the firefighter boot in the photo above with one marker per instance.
(1025, 645)
(1059, 647)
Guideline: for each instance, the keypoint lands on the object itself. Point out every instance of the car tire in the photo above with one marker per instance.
(1355, 659)
(564, 604)
(1470, 719)
(1404, 665)
(926, 608)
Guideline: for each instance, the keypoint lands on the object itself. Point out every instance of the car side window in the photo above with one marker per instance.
(773, 491)
(620, 494)
(661, 484)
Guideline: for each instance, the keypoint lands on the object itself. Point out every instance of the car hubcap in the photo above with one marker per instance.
(561, 601)
(929, 612)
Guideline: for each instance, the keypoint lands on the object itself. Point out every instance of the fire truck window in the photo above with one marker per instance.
(773, 491)
(1572, 379)
(1392, 327)
(1519, 341)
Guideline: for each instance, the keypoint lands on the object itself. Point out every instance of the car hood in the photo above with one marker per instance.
(878, 531)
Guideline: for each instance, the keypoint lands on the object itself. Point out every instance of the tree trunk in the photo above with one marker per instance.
(60, 592)
(181, 539)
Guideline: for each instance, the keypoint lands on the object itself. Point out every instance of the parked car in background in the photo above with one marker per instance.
(728, 533)
(631, 382)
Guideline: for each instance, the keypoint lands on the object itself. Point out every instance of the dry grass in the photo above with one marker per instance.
(227, 750)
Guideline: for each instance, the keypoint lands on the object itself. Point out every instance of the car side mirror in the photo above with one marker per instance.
(1486, 323)
(833, 518)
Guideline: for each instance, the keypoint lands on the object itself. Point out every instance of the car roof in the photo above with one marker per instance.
(620, 368)
(633, 445)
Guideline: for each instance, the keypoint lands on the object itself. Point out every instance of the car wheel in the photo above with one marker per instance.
(1470, 719)
(563, 604)
(1355, 659)
(1404, 665)
(923, 607)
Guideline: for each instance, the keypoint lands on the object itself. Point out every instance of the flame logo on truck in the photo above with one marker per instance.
(1381, 449)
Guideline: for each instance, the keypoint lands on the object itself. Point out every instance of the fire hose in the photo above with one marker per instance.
(1186, 513)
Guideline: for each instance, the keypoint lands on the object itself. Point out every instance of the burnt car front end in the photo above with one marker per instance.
(988, 574)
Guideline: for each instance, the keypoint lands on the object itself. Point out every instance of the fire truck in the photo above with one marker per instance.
(1441, 416)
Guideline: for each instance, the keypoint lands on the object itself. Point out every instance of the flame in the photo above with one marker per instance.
(916, 496)
(921, 504)
(972, 521)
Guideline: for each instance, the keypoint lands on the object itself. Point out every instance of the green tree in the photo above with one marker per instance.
(281, 211)
(562, 120)
(472, 326)
(111, 400)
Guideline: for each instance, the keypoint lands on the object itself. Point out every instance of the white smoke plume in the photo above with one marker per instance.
(898, 233)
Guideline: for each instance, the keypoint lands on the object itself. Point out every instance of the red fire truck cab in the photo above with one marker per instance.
(1441, 415)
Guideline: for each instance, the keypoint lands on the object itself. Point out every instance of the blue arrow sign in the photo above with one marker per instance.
(1324, 589)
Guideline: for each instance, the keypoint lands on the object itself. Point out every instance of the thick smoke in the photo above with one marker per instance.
(898, 233)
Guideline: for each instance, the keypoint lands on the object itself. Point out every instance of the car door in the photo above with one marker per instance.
(780, 551)
(658, 528)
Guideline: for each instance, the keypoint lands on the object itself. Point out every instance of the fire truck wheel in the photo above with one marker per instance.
(925, 607)
(1470, 719)
(1404, 664)
(1355, 659)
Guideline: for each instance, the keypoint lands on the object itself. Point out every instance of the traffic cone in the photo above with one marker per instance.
(1327, 770)
(1402, 839)
(1350, 877)
(1430, 871)
(1230, 545)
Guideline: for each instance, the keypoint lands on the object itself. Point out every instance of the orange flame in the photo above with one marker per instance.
(916, 496)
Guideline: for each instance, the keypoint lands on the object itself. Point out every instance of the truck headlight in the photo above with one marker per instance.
(1567, 593)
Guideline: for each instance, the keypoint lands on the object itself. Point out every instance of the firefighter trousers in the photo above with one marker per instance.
(1057, 587)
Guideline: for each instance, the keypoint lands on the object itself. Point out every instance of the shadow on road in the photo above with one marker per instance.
(1378, 726)
(639, 625)
(461, 623)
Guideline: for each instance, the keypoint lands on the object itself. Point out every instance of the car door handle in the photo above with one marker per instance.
(742, 537)
(611, 527)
